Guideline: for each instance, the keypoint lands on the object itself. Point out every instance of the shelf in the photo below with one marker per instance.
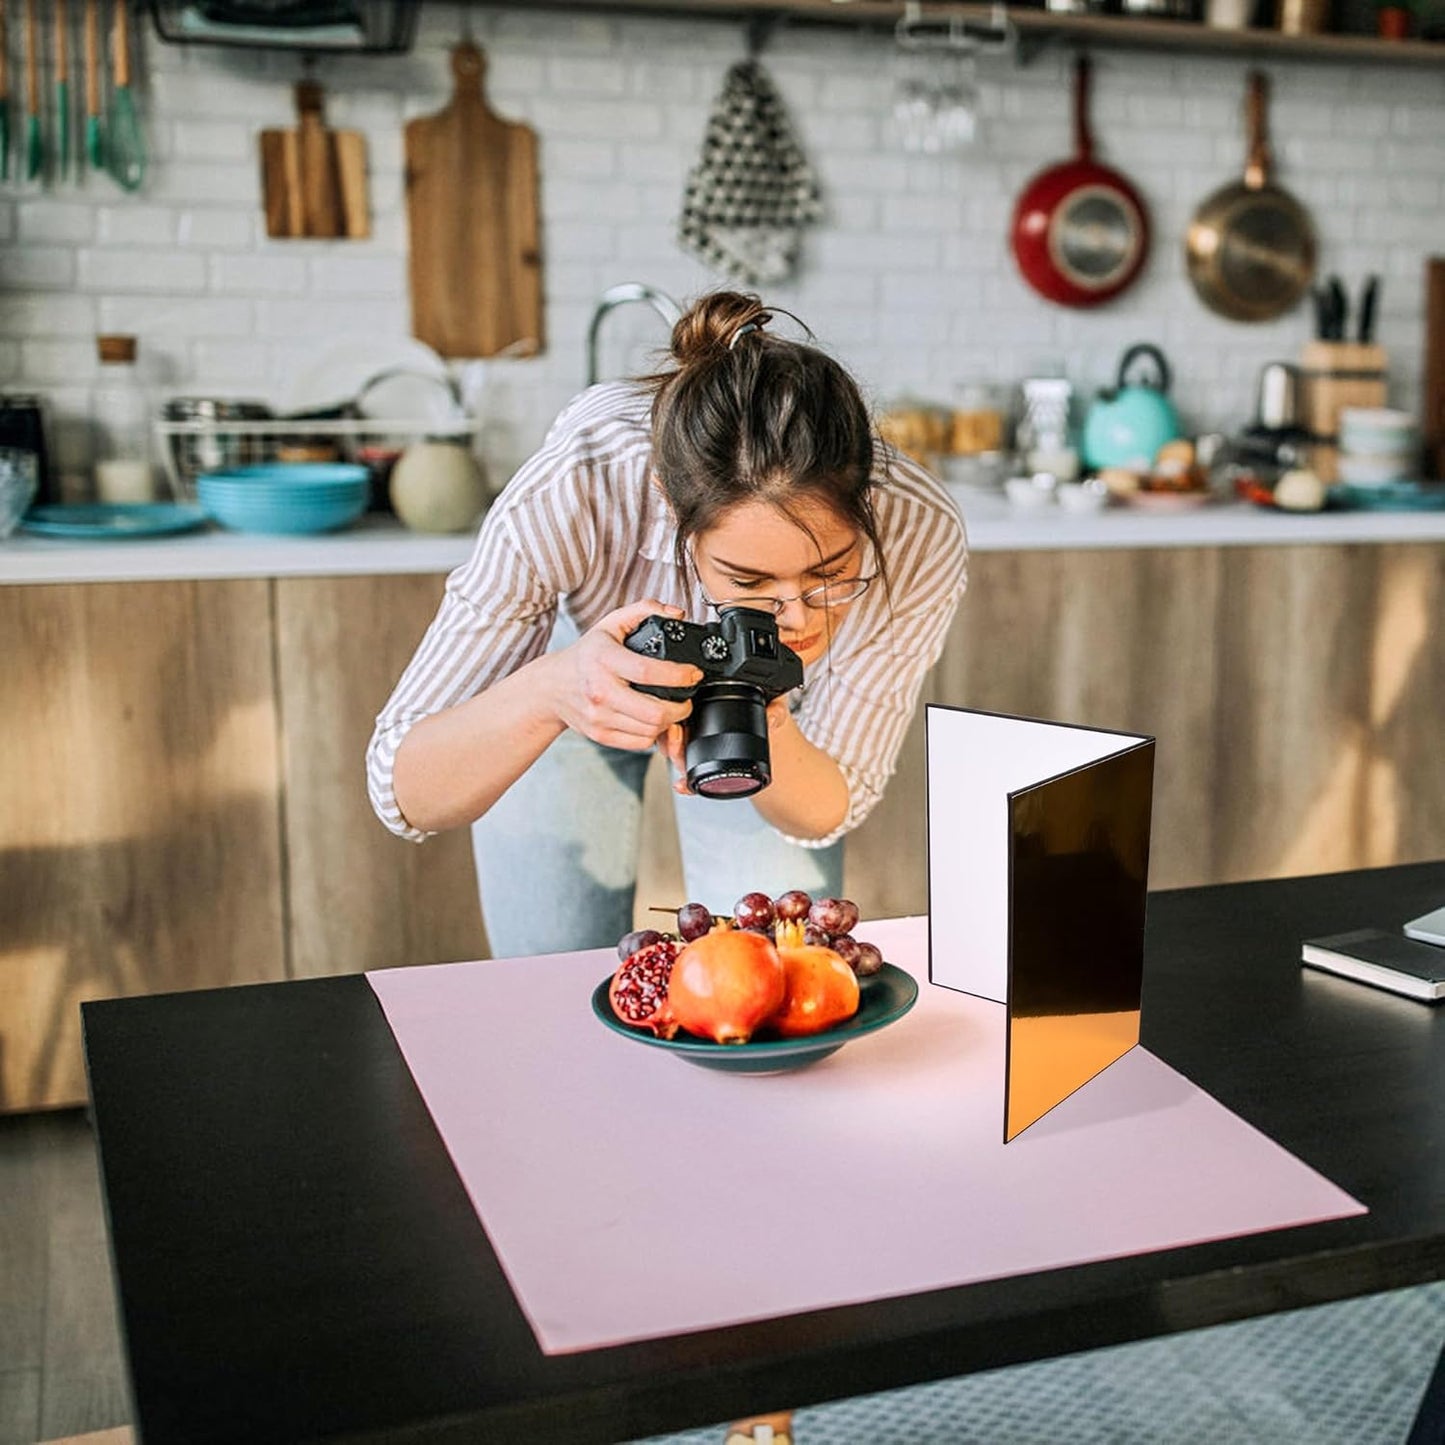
(1038, 27)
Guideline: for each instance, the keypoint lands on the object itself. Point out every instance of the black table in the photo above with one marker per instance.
(296, 1259)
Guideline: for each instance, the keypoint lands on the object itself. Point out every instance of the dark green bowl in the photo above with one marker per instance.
(884, 999)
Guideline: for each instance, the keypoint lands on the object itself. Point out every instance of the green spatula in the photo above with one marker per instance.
(94, 136)
(4, 95)
(125, 145)
(62, 87)
(34, 143)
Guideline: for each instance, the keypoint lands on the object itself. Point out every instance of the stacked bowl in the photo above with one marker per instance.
(1378, 447)
(286, 497)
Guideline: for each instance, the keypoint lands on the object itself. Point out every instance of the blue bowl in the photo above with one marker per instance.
(883, 999)
(281, 507)
(293, 473)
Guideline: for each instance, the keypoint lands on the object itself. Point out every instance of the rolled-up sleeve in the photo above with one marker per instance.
(496, 614)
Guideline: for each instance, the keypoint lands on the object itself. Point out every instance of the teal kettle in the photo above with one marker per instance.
(1126, 427)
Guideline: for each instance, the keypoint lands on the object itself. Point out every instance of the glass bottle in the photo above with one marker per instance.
(124, 468)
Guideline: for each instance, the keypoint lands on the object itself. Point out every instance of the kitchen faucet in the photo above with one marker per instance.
(622, 295)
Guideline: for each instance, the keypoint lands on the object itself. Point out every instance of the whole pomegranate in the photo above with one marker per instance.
(639, 989)
(821, 991)
(726, 984)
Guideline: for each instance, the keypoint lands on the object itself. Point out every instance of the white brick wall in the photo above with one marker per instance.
(909, 277)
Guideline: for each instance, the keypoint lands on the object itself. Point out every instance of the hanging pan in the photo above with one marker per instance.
(1251, 245)
(1080, 230)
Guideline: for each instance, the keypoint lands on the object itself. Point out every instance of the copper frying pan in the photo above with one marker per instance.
(1251, 245)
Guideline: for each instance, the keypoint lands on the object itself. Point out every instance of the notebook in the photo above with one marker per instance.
(1386, 960)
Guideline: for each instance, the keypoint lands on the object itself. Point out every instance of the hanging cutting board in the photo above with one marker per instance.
(471, 194)
(314, 179)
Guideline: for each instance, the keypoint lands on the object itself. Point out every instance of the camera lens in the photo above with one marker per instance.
(727, 741)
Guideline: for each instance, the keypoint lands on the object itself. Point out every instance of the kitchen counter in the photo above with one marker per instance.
(381, 546)
(183, 804)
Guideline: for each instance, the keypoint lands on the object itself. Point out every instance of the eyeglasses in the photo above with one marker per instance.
(829, 594)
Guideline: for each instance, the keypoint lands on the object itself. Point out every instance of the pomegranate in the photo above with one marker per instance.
(639, 989)
(821, 991)
(726, 984)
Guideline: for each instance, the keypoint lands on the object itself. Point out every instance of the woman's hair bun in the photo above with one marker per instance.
(713, 322)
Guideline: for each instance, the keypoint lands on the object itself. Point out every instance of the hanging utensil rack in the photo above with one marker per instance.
(383, 27)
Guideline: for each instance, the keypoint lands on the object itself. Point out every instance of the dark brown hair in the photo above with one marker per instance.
(745, 416)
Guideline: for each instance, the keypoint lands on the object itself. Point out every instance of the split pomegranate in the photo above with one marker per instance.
(821, 990)
(639, 991)
(726, 984)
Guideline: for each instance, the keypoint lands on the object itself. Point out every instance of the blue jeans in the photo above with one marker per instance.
(557, 854)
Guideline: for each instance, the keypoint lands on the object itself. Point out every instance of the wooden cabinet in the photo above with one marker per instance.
(1295, 693)
(182, 792)
(182, 802)
(140, 822)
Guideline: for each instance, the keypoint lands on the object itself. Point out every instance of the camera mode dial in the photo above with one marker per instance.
(674, 630)
(714, 649)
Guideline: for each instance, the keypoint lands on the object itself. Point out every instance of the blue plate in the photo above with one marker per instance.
(1389, 497)
(95, 520)
(885, 998)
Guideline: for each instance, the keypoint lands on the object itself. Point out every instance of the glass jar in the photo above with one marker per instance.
(124, 465)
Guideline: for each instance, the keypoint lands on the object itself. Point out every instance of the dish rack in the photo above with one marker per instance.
(189, 449)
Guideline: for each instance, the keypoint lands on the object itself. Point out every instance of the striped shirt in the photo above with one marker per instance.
(583, 527)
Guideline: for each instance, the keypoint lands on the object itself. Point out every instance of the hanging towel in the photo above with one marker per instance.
(752, 190)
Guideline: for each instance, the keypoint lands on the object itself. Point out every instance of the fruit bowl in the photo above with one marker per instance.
(883, 999)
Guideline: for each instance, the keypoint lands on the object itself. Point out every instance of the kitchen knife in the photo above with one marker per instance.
(1369, 301)
(1339, 309)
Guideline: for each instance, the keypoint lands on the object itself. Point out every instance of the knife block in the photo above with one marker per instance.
(1337, 374)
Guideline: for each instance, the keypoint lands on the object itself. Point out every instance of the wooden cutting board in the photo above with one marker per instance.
(1434, 407)
(471, 194)
(313, 178)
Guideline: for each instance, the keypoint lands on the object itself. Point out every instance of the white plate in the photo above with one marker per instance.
(336, 373)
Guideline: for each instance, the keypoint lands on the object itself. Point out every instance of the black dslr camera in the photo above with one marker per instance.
(744, 667)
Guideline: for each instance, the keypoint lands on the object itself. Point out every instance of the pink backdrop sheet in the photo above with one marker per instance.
(630, 1195)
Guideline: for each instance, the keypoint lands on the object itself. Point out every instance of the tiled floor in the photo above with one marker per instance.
(60, 1360)
(1344, 1374)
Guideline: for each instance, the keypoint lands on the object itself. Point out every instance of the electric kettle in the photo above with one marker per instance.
(1126, 427)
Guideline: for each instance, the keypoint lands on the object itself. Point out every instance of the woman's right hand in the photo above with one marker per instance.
(592, 687)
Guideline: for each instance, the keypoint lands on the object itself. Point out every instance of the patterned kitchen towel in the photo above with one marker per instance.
(752, 190)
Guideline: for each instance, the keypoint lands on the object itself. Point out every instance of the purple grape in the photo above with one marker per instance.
(846, 947)
(834, 915)
(814, 935)
(754, 911)
(693, 920)
(868, 961)
(792, 906)
(639, 938)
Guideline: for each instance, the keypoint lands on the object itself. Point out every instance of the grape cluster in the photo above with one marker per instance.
(826, 921)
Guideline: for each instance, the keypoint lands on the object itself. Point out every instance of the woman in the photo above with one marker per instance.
(746, 473)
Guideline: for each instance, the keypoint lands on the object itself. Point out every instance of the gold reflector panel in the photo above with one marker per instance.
(1079, 869)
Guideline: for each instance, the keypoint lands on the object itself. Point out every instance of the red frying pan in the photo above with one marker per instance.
(1080, 230)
